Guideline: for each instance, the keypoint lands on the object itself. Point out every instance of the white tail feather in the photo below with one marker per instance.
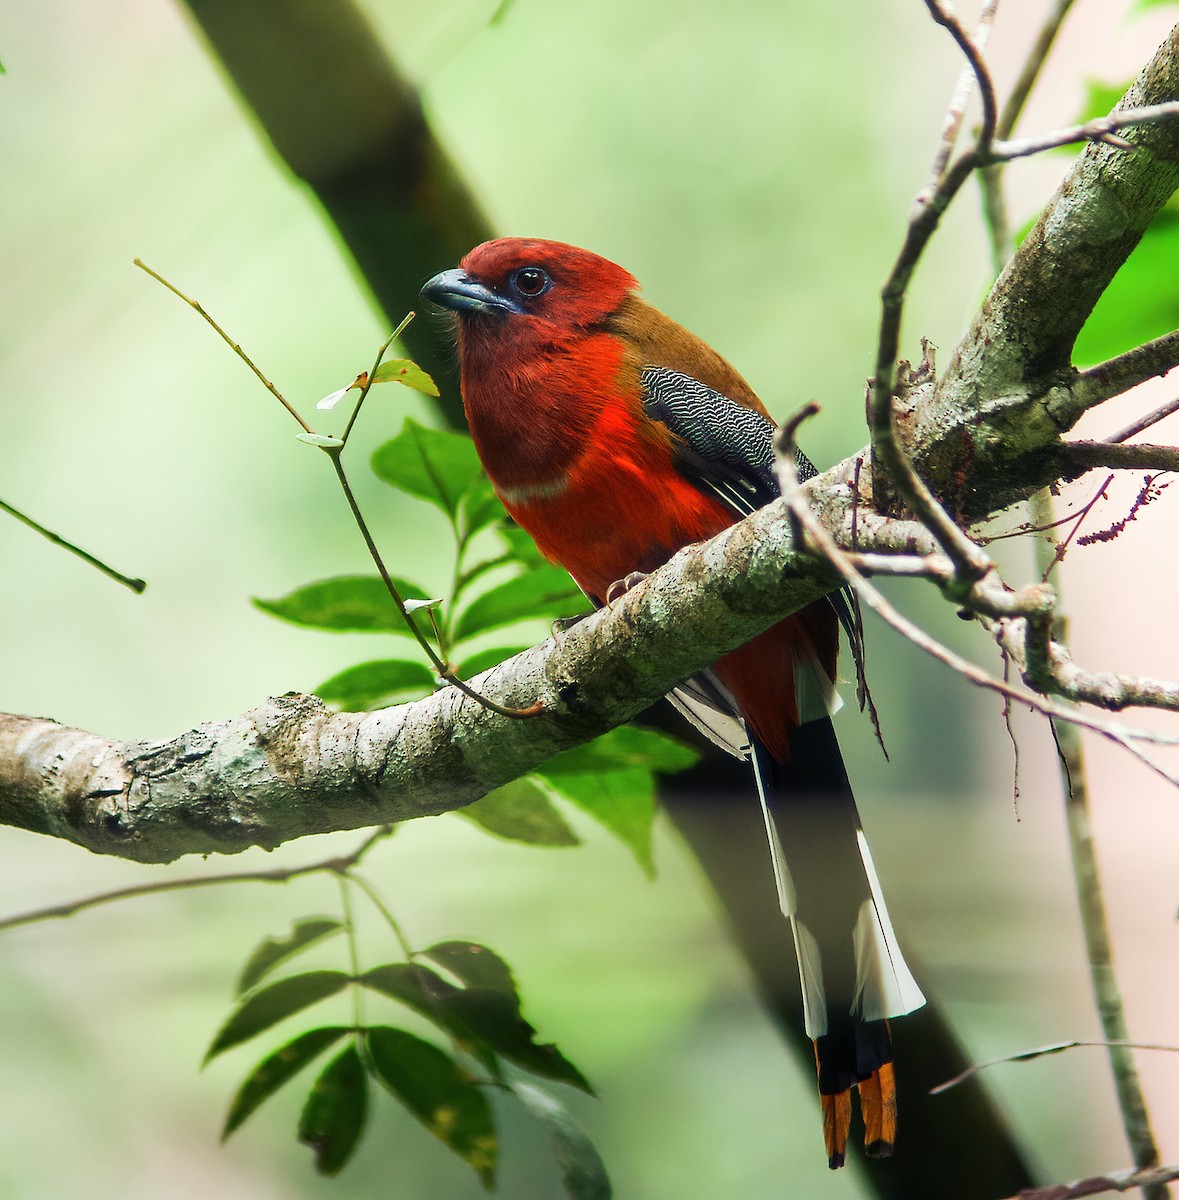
(815, 694)
(722, 730)
(885, 986)
(806, 949)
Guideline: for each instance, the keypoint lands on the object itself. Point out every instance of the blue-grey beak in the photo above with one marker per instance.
(457, 291)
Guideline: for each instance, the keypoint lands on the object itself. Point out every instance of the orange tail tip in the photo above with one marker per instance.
(878, 1107)
(836, 1123)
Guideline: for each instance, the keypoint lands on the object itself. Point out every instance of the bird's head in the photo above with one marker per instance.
(525, 287)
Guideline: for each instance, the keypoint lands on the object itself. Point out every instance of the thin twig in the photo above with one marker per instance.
(1078, 518)
(372, 375)
(229, 342)
(337, 865)
(956, 111)
(136, 585)
(830, 550)
(1039, 1052)
(1116, 455)
(1030, 72)
(1149, 1180)
(1152, 418)
(991, 177)
(945, 17)
(1117, 375)
(1100, 129)
(444, 670)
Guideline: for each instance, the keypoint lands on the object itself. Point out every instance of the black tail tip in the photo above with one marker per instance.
(878, 1149)
(835, 1161)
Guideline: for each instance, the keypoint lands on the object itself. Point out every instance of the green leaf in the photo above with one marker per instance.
(521, 812)
(495, 1018)
(521, 547)
(406, 371)
(273, 1071)
(484, 1018)
(621, 800)
(333, 1117)
(1142, 302)
(347, 603)
(272, 951)
(499, 1022)
(430, 1084)
(273, 1004)
(419, 987)
(484, 660)
(626, 746)
(582, 1170)
(481, 507)
(427, 993)
(429, 463)
(369, 684)
(545, 591)
(475, 965)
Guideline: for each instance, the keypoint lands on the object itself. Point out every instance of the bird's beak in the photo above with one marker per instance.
(456, 290)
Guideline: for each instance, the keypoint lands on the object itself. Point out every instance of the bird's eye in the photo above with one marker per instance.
(531, 281)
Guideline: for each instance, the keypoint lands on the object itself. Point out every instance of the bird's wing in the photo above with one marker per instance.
(727, 450)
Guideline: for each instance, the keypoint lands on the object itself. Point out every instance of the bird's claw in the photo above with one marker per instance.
(620, 587)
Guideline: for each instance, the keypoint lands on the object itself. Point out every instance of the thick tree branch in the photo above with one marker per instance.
(1007, 395)
(291, 767)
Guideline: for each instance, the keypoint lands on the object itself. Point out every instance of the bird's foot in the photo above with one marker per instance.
(620, 587)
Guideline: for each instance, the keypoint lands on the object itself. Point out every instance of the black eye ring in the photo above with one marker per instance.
(530, 281)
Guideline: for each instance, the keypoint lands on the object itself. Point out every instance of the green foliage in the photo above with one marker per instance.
(406, 371)
(440, 1094)
(521, 812)
(463, 990)
(347, 603)
(582, 1169)
(372, 684)
(275, 951)
(476, 1007)
(333, 1117)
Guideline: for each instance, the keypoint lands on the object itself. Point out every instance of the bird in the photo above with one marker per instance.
(615, 438)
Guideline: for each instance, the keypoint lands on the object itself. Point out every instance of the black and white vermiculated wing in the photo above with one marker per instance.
(724, 448)
(727, 450)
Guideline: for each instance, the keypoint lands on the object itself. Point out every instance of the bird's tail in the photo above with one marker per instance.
(853, 975)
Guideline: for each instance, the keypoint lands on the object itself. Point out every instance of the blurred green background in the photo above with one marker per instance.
(752, 163)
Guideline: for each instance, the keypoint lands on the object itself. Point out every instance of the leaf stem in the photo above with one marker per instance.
(228, 341)
(372, 375)
(342, 879)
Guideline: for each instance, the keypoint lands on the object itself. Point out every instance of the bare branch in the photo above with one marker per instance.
(1116, 1181)
(1100, 129)
(336, 865)
(944, 15)
(963, 90)
(1136, 456)
(1117, 375)
(1143, 423)
(1030, 72)
(1041, 1052)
